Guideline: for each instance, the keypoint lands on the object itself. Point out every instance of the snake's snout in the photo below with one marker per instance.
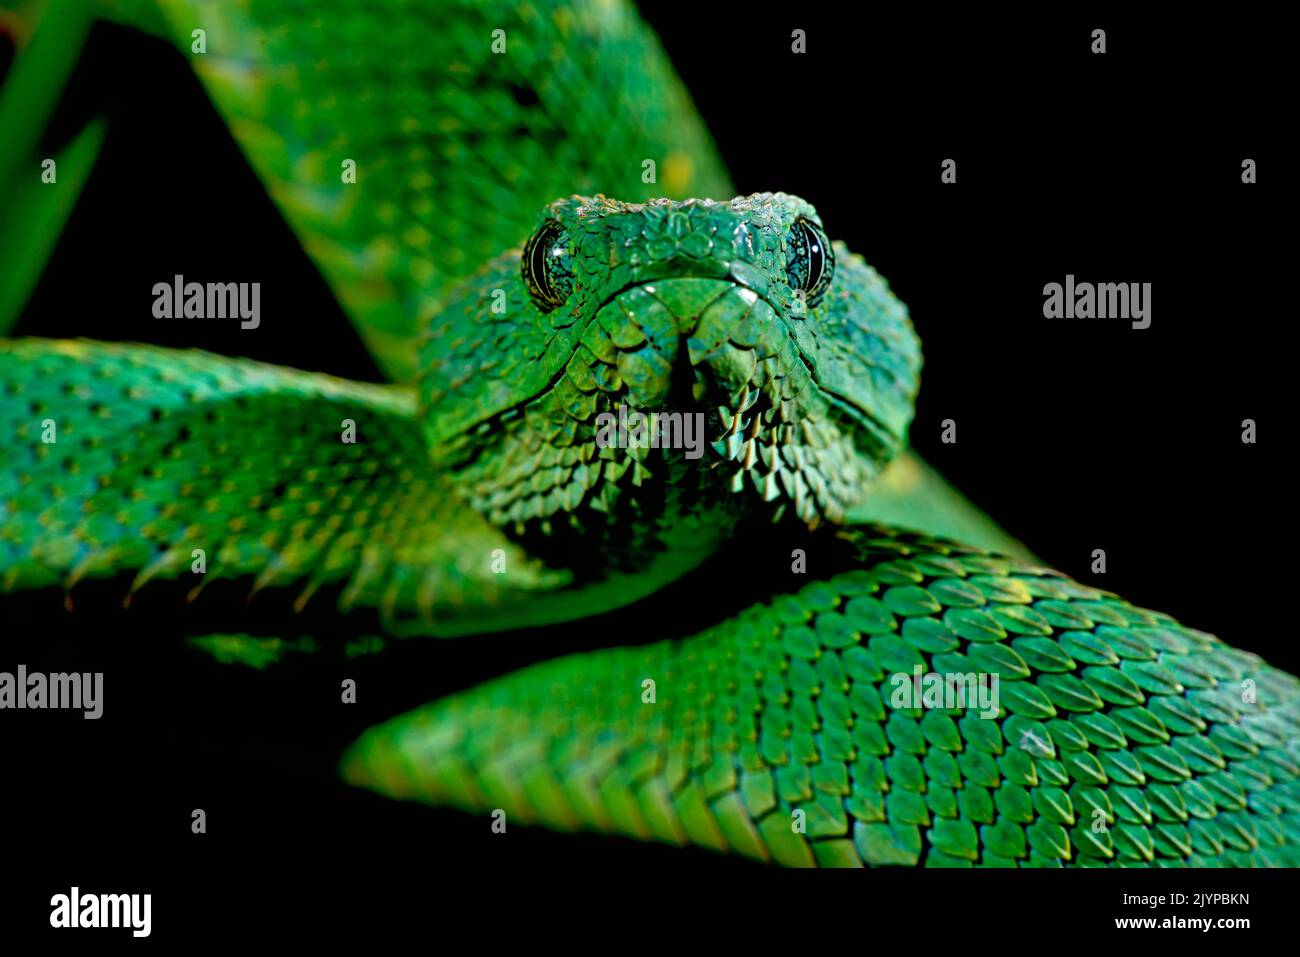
(680, 342)
(717, 350)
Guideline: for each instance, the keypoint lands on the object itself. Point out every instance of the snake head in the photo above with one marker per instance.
(776, 364)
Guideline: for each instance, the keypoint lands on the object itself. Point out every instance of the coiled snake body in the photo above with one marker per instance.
(812, 728)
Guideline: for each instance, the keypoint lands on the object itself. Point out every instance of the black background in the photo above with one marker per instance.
(1074, 434)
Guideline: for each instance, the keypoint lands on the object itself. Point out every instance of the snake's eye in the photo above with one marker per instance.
(809, 262)
(547, 269)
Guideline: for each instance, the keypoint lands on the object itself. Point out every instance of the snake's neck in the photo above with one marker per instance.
(589, 561)
(648, 521)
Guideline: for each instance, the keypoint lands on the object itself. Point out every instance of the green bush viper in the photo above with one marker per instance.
(484, 497)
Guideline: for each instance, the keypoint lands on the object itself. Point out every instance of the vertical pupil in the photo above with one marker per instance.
(538, 264)
(815, 259)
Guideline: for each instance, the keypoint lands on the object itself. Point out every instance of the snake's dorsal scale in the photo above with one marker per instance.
(126, 465)
(1121, 737)
(462, 119)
